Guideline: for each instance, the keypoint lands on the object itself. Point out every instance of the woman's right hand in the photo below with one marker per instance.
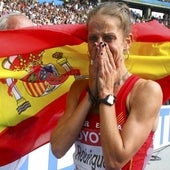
(93, 68)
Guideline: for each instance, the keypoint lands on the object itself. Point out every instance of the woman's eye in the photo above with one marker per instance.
(109, 38)
(93, 39)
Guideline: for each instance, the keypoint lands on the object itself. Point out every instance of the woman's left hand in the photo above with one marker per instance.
(108, 63)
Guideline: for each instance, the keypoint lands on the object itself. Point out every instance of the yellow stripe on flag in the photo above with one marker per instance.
(149, 60)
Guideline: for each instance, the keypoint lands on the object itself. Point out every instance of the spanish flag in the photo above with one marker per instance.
(38, 65)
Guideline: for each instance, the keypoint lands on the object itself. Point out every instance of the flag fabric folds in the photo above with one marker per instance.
(38, 65)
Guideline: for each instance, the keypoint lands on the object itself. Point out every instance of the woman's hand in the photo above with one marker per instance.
(108, 69)
(93, 69)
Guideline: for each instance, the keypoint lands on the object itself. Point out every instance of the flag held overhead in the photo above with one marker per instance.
(39, 64)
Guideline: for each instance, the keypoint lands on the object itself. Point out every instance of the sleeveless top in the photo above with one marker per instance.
(88, 151)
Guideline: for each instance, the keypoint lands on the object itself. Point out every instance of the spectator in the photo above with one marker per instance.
(14, 21)
(1, 6)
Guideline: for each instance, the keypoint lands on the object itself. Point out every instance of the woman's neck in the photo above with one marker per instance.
(124, 75)
(122, 79)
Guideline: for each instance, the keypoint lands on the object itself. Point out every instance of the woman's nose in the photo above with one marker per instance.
(100, 40)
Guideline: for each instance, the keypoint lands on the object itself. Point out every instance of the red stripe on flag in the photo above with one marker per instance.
(31, 133)
(43, 36)
(165, 85)
(151, 31)
(68, 34)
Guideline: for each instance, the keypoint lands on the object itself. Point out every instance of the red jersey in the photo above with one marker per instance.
(88, 151)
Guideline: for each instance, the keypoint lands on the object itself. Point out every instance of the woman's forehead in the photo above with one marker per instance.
(105, 22)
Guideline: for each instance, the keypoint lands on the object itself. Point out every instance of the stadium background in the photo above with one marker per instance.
(148, 8)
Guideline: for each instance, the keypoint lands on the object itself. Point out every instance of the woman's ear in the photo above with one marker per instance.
(129, 40)
(127, 44)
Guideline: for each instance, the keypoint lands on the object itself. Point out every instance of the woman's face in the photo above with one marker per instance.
(104, 28)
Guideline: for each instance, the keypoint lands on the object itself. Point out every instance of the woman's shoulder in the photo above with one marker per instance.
(80, 83)
(144, 88)
(78, 86)
(147, 84)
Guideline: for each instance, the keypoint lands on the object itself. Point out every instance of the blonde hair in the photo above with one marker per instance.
(114, 9)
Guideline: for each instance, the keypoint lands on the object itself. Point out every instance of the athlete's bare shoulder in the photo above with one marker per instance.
(77, 87)
(150, 86)
(79, 84)
(145, 92)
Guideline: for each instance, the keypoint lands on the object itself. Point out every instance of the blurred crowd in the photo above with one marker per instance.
(67, 13)
(49, 13)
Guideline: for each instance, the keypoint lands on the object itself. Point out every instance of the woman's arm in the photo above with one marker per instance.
(119, 146)
(70, 124)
